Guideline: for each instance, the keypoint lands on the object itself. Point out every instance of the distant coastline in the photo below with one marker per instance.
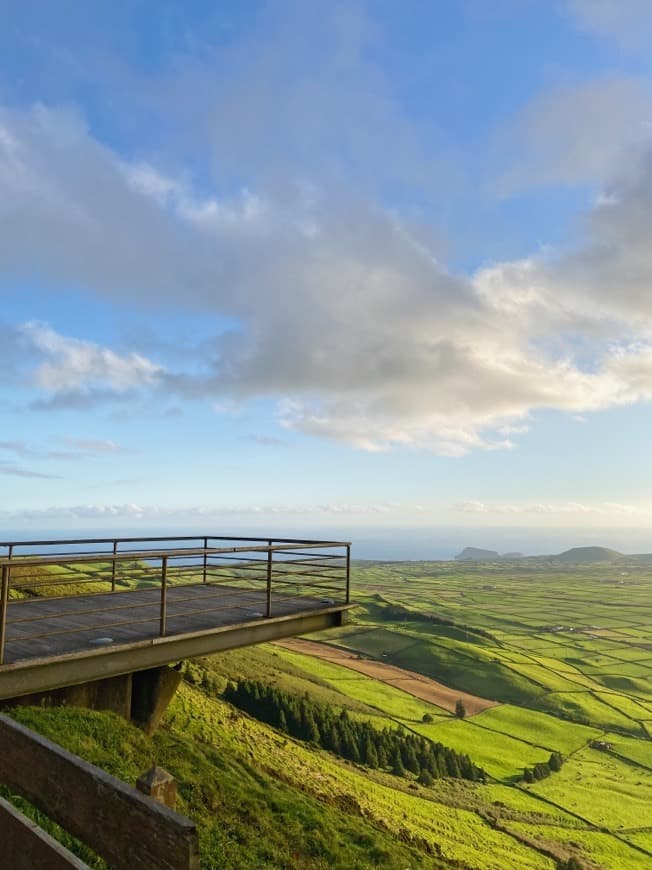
(390, 543)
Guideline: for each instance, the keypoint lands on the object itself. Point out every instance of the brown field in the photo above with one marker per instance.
(408, 681)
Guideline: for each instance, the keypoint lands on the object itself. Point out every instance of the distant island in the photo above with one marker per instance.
(475, 554)
(574, 555)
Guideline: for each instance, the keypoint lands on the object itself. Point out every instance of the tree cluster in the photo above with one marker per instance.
(543, 768)
(399, 752)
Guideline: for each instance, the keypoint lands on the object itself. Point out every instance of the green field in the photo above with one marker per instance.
(602, 789)
(502, 756)
(536, 728)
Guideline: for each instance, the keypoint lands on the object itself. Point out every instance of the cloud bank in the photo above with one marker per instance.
(321, 293)
(341, 311)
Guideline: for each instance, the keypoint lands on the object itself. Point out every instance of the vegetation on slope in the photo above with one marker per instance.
(400, 752)
(247, 817)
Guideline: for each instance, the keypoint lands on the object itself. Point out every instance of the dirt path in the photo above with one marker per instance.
(408, 681)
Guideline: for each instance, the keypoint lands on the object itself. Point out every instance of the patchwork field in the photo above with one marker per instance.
(565, 658)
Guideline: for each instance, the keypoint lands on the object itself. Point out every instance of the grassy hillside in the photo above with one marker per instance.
(248, 816)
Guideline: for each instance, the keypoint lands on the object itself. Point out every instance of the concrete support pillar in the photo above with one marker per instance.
(152, 691)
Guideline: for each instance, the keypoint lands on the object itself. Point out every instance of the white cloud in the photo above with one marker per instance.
(11, 469)
(627, 22)
(561, 509)
(193, 513)
(574, 133)
(69, 366)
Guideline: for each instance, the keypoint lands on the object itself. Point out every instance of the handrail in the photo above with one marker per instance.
(131, 540)
(134, 555)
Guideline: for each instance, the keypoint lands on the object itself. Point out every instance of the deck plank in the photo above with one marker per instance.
(52, 627)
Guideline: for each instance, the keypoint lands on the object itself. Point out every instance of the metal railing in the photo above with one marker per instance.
(272, 571)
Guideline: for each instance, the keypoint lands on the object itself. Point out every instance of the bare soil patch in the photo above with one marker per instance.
(408, 681)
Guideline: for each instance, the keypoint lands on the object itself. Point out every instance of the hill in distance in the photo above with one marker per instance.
(588, 554)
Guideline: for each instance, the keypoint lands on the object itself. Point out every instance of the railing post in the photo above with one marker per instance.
(205, 559)
(4, 599)
(115, 550)
(164, 594)
(269, 580)
(348, 573)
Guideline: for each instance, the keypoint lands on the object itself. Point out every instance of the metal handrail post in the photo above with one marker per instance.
(270, 554)
(115, 550)
(164, 595)
(348, 573)
(205, 559)
(4, 599)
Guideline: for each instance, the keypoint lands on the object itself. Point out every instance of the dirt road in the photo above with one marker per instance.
(408, 681)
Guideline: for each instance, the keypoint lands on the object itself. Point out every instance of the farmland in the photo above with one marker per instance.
(563, 654)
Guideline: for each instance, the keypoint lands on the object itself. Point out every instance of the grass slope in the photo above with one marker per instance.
(247, 817)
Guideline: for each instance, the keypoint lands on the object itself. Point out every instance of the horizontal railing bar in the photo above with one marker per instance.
(134, 540)
(65, 559)
(301, 578)
(278, 568)
(285, 551)
(310, 589)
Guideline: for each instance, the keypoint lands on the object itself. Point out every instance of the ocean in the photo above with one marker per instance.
(386, 543)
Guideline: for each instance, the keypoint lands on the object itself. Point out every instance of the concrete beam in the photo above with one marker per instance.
(43, 675)
(152, 691)
(113, 694)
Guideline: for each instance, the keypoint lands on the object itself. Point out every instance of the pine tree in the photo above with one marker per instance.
(410, 759)
(311, 730)
(397, 764)
(555, 761)
(425, 777)
(452, 767)
(369, 754)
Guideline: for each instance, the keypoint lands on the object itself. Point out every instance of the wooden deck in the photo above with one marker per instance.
(52, 627)
(53, 642)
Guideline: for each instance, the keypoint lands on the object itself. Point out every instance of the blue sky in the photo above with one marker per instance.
(316, 263)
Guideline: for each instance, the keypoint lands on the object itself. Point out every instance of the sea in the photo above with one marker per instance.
(384, 543)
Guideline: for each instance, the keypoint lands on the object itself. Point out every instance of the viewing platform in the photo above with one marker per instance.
(78, 611)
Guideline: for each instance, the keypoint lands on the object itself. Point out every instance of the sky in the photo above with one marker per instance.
(308, 263)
